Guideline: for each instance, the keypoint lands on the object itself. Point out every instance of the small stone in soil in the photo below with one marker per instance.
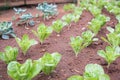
(58, 35)
(76, 71)
(43, 50)
(19, 59)
(83, 28)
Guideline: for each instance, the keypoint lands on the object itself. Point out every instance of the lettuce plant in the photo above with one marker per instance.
(76, 18)
(9, 55)
(50, 62)
(25, 71)
(118, 18)
(68, 18)
(75, 77)
(112, 8)
(92, 72)
(69, 7)
(113, 39)
(58, 25)
(25, 43)
(96, 23)
(110, 54)
(42, 32)
(95, 72)
(101, 3)
(76, 43)
(78, 11)
(94, 10)
(85, 40)
(116, 30)
(88, 38)
(85, 4)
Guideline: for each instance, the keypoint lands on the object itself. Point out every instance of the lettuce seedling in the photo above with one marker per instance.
(25, 43)
(75, 77)
(94, 10)
(112, 8)
(78, 11)
(42, 32)
(9, 55)
(76, 44)
(50, 62)
(101, 3)
(118, 18)
(116, 30)
(95, 72)
(97, 23)
(69, 7)
(88, 38)
(25, 71)
(110, 54)
(68, 18)
(92, 72)
(76, 18)
(58, 25)
(113, 39)
(85, 40)
(85, 4)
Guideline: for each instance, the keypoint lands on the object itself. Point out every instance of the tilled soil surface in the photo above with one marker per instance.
(69, 64)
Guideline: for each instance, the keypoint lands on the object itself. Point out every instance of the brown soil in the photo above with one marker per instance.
(69, 65)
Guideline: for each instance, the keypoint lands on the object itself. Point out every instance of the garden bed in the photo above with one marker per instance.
(69, 64)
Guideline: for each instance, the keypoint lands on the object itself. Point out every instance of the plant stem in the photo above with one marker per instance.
(108, 65)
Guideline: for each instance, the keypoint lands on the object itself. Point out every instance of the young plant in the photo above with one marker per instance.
(88, 38)
(85, 4)
(6, 30)
(68, 18)
(85, 40)
(19, 10)
(9, 55)
(94, 10)
(92, 72)
(96, 23)
(58, 25)
(69, 7)
(118, 18)
(95, 72)
(50, 62)
(42, 32)
(75, 77)
(25, 71)
(112, 8)
(113, 39)
(78, 11)
(76, 44)
(76, 18)
(110, 54)
(47, 9)
(116, 30)
(26, 19)
(25, 43)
